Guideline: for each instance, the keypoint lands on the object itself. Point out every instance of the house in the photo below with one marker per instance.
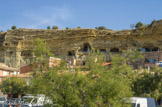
(50, 63)
(6, 70)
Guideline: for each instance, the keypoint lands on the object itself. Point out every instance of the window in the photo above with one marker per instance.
(26, 53)
(155, 49)
(150, 60)
(103, 50)
(145, 50)
(138, 105)
(11, 53)
(114, 50)
(56, 54)
(86, 47)
(84, 63)
(6, 44)
(71, 53)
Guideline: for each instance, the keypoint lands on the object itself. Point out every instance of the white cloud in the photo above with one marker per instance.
(46, 16)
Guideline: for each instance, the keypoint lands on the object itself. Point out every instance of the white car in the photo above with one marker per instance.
(34, 101)
(159, 63)
(2, 101)
(141, 102)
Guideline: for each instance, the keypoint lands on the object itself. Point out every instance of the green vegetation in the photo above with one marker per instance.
(14, 85)
(78, 27)
(55, 27)
(41, 49)
(139, 25)
(13, 27)
(48, 27)
(100, 27)
(149, 84)
(67, 28)
(98, 85)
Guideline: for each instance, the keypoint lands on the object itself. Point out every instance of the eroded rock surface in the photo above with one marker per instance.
(14, 43)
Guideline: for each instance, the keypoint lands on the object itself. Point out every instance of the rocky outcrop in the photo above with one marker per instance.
(14, 43)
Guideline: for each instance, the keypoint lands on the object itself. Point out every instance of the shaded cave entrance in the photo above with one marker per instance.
(114, 50)
(86, 47)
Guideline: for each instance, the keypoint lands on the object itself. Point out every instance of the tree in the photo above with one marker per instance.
(67, 28)
(14, 85)
(55, 27)
(48, 27)
(41, 49)
(78, 27)
(13, 27)
(149, 84)
(139, 25)
(100, 28)
(97, 87)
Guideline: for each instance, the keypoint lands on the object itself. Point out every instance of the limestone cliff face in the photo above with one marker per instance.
(13, 43)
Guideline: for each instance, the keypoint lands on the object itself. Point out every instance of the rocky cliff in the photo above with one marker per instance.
(14, 43)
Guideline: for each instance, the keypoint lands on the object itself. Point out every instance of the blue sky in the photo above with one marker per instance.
(113, 14)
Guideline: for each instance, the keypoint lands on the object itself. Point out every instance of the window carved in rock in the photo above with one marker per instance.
(114, 50)
(26, 53)
(103, 50)
(86, 47)
(71, 53)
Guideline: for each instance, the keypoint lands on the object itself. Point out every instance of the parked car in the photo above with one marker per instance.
(13, 102)
(159, 63)
(2, 101)
(32, 101)
(141, 102)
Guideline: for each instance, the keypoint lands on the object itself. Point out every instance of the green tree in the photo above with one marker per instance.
(97, 87)
(78, 27)
(14, 85)
(41, 49)
(149, 84)
(48, 27)
(139, 25)
(100, 27)
(13, 27)
(55, 27)
(67, 28)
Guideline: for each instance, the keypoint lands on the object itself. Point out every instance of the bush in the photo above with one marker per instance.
(48, 27)
(100, 27)
(97, 87)
(67, 27)
(139, 25)
(78, 27)
(14, 85)
(13, 27)
(55, 27)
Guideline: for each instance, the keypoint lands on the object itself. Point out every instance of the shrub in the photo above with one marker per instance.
(139, 25)
(13, 27)
(14, 85)
(55, 27)
(100, 27)
(67, 27)
(48, 27)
